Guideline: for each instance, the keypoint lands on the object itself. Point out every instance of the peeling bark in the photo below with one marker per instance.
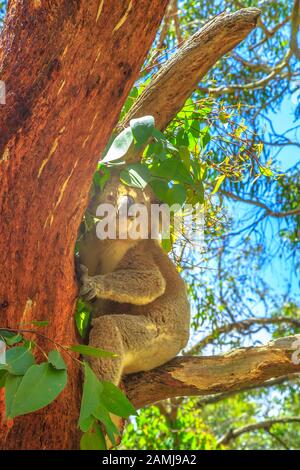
(68, 66)
(181, 74)
(194, 376)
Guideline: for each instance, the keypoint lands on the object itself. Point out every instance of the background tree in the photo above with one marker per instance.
(245, 285)
(54, 129)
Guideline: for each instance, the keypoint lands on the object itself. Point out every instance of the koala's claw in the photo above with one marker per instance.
(87, 290)
(84, 271)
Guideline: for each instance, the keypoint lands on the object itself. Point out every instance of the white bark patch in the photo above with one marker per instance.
(65, 50)
(27, 311)
(37, 4)
(124, 18)
(2, 352)
(63, 187)
(5, 155)
(52, 151)
(61, 87)
(93, 121)
(85, 141)
(99, 10)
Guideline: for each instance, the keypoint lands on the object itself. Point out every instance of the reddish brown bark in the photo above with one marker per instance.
(68, 66)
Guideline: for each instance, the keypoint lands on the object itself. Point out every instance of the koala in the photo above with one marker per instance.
(139, 304)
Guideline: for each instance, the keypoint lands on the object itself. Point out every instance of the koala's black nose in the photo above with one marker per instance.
(124, 204)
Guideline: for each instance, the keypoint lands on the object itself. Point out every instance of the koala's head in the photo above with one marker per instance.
(127, 207)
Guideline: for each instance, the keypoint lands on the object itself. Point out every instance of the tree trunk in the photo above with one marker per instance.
(68, 66)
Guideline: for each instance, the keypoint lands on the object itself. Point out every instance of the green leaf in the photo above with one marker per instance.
(160, 189)
(136, 175)
(166, 244)
(142, 129)
(12, 384)
(266, 171)
(185, 156)
(90, 351)
(41, 323)
(3, 374)
(56, 360)
(103, 416)
(199, 189)
(40, 386)
(165, 169)
(18, 360)
(182, 138)
(82, 317)
(205, 137)
(119, 146)
(93, 439)
(220, 179)
(101, 176)
(176, 195)
(92, 389)
(159, 136)
(115, 401)
(172, 169)
(10, 337)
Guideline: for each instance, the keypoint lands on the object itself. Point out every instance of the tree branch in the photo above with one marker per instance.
(242, 326)
(265, 425)
(261, 82)
(255, 202)
(295, 28)
(180, 75)
(194, 376)
(212, 399)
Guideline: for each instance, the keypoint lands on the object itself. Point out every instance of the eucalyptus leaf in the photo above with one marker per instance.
(3, 375)
(136, 175)
(119, 146)
(219, 181)
(90, 351)
(39, 387)
(93, 439)
(18, 360)
(160, 188)
(103, 416)
(56, 360)
(176, 195)
(12, 383)
(142, 129)
(115, 401)
(92, 390)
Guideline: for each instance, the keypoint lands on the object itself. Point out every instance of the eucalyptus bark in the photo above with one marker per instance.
(68, 66)
(206, 375)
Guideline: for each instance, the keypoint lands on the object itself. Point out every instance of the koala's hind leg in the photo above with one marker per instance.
(124, 335)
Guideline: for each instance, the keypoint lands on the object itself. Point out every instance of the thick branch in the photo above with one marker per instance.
(265, 425)
(194, 376)
(180, 76)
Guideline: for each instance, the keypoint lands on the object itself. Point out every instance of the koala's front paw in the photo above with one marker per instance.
(88, 285)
